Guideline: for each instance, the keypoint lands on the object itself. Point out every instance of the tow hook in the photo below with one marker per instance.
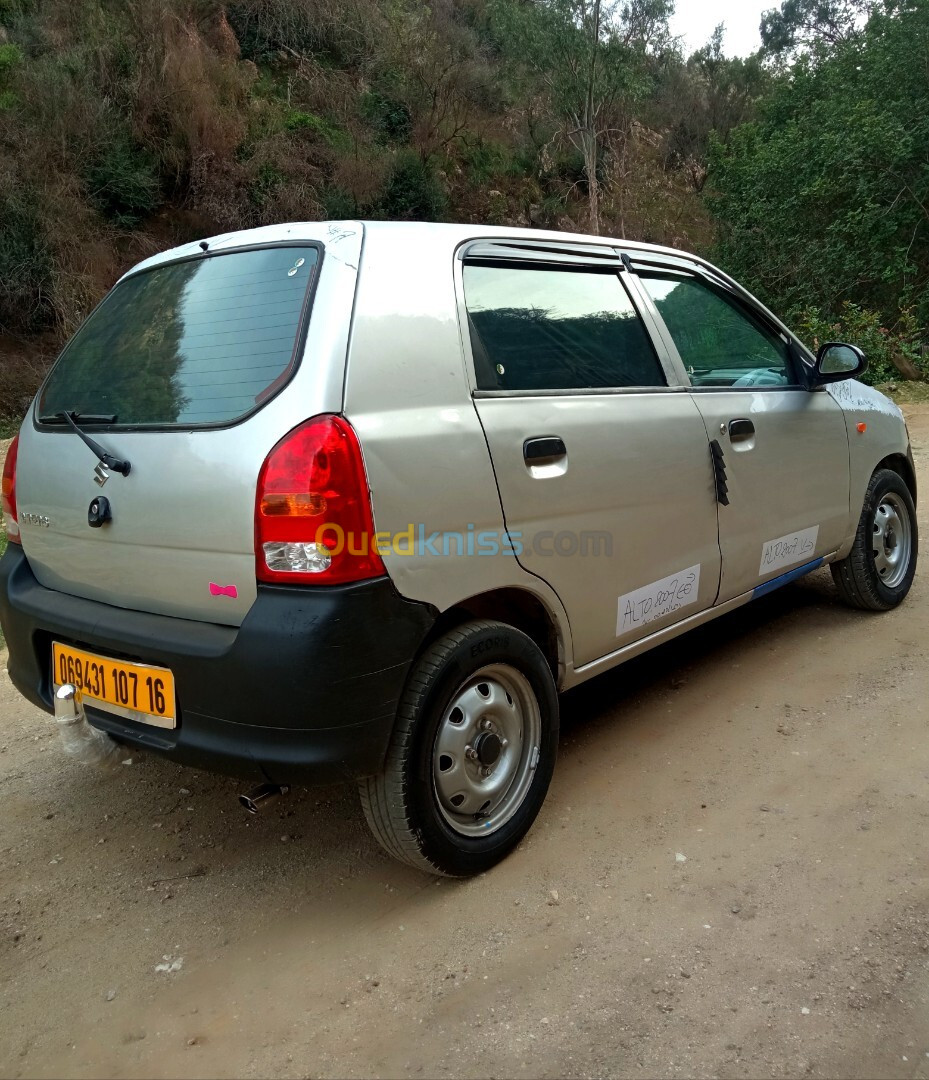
(262, 796)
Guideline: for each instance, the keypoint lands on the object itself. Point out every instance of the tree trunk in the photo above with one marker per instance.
(905, 366)
(593, 186)
(621, 187)
(590, 131)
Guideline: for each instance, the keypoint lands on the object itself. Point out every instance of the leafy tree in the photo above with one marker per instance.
(825, 199)
(429, 61)
(587, 57)
(710, 95)
(804, 24)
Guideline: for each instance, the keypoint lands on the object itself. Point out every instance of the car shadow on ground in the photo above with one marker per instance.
(606, 698)
(169, 826)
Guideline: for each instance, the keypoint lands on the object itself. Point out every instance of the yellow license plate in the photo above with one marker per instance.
(134, 691)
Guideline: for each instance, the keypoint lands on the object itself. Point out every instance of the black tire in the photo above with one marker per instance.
(402, 803)
(856, 576)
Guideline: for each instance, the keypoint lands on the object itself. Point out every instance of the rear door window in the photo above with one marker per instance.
(545, 329)
(195, 342)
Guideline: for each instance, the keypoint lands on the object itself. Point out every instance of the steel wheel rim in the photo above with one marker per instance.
(891, 540)
(477, 795)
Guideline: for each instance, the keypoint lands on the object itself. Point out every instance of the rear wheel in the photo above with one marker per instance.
(472, 753)
(878, 571)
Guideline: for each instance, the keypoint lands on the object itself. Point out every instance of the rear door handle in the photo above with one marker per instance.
(544, 447)
(741, 429)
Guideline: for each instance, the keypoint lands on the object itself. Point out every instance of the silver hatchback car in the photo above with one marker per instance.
(358, 499)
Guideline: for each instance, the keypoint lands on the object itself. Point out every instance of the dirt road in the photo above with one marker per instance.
(730, 878)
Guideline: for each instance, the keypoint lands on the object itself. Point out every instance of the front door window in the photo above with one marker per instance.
(719, 343)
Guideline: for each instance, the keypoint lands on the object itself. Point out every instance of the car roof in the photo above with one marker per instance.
(324, 231)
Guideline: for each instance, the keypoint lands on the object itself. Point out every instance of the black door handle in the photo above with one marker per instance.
(741, 429)
(545, 446)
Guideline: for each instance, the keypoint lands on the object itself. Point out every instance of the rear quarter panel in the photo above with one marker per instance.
(408, 396)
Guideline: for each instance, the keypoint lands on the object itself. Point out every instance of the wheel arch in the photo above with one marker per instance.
(901, 464)
(518, 607)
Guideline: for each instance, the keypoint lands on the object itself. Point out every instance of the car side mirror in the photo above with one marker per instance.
(836, 361)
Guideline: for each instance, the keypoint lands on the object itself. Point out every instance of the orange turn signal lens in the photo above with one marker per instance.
(298, 505)
(862, 428)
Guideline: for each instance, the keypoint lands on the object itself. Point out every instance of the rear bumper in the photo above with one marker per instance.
(304, 691)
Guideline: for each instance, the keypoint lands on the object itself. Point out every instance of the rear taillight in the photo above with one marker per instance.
(313, 522)
(8, 498)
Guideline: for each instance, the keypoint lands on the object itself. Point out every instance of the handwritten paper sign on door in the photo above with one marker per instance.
(637, 609)
(787, 550)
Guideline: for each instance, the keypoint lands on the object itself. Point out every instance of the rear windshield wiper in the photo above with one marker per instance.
(108, 461)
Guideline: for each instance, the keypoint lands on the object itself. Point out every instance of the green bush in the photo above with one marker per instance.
(338, 204)
(14, 9)
(123, 181)
(298, 120)
(486, 162)
(391, 120)
(413, 191)
(11, 56)
(266, 184)
(863, 328)
(262, 29)
(551, 208)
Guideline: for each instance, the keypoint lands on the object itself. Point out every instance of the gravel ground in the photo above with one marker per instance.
(729, 879)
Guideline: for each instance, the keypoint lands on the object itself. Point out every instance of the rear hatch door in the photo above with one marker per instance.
(191, 369)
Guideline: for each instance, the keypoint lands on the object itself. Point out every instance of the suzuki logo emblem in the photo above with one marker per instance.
(101, 474)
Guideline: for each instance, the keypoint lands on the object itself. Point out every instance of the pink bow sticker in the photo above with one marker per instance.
(223, 590)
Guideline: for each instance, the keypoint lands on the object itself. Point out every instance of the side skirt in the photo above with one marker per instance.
(786, 579)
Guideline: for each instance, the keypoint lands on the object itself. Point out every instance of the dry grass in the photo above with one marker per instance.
(906, 393)
(22, 368)
(189, 98)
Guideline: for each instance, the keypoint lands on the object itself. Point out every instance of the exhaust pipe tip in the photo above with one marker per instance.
(79, 738)
(69, 705)
(262, 796)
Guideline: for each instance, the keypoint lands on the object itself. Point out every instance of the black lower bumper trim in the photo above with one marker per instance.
(305, 690)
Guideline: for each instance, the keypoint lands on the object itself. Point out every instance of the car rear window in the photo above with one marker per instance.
(200, 341)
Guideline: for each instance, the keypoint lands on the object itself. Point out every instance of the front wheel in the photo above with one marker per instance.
(472, 753)
(878, 571)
